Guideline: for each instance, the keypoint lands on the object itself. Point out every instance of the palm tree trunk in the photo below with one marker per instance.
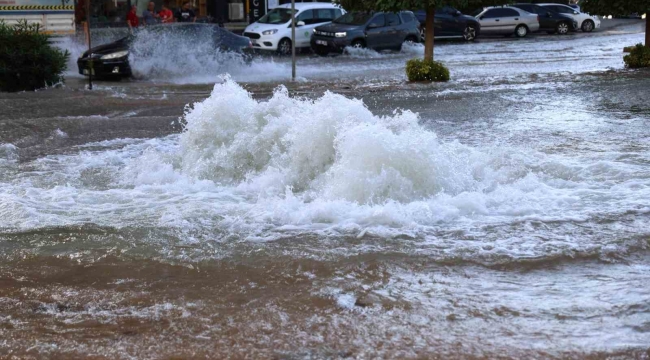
(430, 31)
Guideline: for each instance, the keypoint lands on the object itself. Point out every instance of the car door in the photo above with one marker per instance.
(376, 32)
(442, 23)
(509, 19)
(395, 34)
(490, 21)
(303, 33)
(318, 17)
(546, 18)
(451, 25)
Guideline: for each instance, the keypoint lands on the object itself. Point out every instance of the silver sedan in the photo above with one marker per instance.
(505, 20)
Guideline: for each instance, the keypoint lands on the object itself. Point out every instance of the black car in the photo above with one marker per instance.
(550, 21)
(377, 31)
(450, 23)
(112, 60)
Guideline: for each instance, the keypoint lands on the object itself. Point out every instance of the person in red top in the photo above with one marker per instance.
(166, 15)
(132, 18)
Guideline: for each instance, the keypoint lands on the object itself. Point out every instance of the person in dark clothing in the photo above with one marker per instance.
(186, 14)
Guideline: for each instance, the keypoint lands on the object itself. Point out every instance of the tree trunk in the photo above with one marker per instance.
(430, 30)
(647, 29)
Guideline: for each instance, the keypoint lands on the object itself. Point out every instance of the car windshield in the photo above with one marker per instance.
(276, 16)
(358, 18)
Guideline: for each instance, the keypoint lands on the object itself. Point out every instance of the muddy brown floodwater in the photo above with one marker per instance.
(505, 214)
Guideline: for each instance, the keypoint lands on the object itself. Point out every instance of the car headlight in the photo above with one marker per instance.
(269, 32)
(341, 34)
(115, 55)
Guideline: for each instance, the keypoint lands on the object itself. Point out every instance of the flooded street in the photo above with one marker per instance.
(348, 215)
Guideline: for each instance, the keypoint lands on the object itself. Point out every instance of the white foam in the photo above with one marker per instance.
(59, 134)
(362, 53)
(261, 170)
(8, 153)
(181, 58)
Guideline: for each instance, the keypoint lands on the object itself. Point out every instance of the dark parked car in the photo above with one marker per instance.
(450, 23)
(550, 21)
(112, 60)
(378, 31)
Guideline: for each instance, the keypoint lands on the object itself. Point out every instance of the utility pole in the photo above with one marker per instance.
(293, 40)
(90, 55)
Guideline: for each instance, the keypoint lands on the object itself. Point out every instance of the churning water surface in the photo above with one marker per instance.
(507, 217)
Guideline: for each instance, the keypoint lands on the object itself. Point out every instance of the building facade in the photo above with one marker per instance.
(112, 13)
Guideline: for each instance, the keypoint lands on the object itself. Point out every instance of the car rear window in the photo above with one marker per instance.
(407, 17)
(562, 9)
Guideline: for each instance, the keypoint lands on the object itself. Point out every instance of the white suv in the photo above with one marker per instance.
(273, 31)
(585, 21)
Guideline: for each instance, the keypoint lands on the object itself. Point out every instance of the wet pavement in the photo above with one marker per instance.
(347, 215)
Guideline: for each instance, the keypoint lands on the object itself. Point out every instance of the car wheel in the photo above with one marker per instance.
(358, 44)
(423, 32)
(284, 47)
(411, 40)
(521, 31)
(563, 28)
(321, 51)
(469, 34)
(588, 26)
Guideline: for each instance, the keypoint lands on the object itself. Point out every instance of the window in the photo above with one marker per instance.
(407, 17)
(276, 16)
(356, 18)
(562, 9)
(392, 19)
(378, 21)
(509, 13)
(307, 17)
(325, 15)
(536, 10)
(447, 10)
(338, 13)
(490, 14)
(500, 13)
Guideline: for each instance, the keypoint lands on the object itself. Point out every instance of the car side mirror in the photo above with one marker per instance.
(458, 13)
(300, 23)
(373, 26)
(576, 13)
(481, 18)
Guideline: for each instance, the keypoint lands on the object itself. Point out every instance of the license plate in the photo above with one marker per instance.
(87, 72)
(321, 42)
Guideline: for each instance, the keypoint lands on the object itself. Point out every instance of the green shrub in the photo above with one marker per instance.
(639, 57)
(426, 70)
(27, 61)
